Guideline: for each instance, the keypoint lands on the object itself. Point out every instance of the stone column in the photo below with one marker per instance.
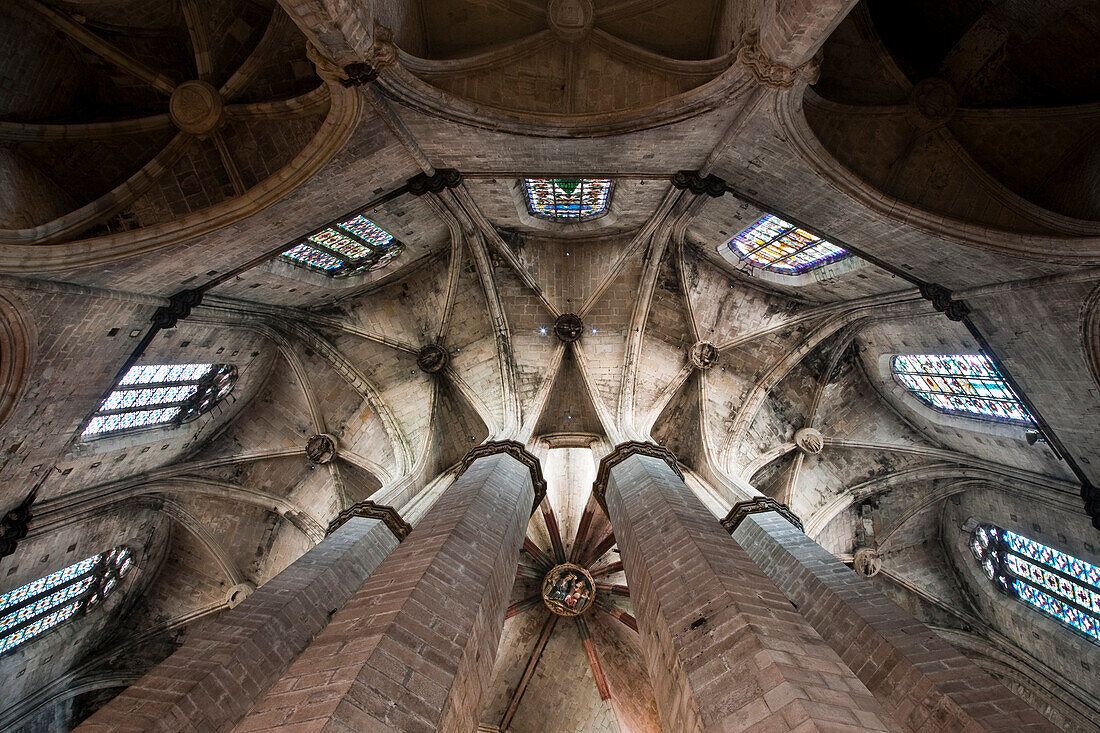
(724, 649)
(210, 682)
(921, 680)
(413, 649)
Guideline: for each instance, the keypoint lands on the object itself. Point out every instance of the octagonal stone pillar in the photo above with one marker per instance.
(413, 649)
(724, 649)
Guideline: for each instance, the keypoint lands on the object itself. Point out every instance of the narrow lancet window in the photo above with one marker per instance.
(567, 199)
(961, 384)
(37, 607)
(1053, 582)
(346, 247)
(161, 394)
(779, 246)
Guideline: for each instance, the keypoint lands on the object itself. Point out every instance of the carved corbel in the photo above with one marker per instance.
(770, 73)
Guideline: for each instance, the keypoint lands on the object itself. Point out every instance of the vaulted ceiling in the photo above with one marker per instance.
(970, 163)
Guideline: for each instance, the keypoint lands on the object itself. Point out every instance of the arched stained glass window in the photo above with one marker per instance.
(343, 248)
(1057, 584)
(161, 394)
(961, 384)
(37, 607)
(779, 246)
(567, 199)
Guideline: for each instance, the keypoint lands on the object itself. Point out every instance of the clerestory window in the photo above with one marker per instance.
(961, 384)
(37, 607)
(350, 246)
(567, 199)
(161, 394)
(778, 246)
(1053, 582)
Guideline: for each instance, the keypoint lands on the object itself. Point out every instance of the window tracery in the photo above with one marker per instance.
(567, 199)
(778, 246)
(161, 394)
(35, 608)
(1059, 585)
(354, 245)
(961, 384)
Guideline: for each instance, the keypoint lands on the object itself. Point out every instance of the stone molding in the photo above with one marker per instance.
(621, 453)
(941, 299)
(770, 73)
(422, 183)
(517, 451)
(759, 505)
(711, 184)
(369, 510)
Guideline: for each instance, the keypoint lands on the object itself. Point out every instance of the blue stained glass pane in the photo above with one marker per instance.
(50, 581)
(1058, 584)
(567, 199)
(157, 373)
(126, 420)
(779, 246)
(45, 603)
(964, 384)
(120, 399)
(1061, 611)
(1083, 571)
(313, 257)
(367, 230)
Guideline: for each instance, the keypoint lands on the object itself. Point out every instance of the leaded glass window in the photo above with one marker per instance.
(567, 199)
(779, 246)
(37, 607)
(961, 384)
(354, 245)
(1057, 584)
(161, 394)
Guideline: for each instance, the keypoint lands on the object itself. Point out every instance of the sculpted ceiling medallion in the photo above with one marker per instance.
(568, 590)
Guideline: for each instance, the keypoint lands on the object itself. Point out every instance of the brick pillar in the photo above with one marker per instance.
(413, 650)
(210, 682)
(724, 649)
(921, 680)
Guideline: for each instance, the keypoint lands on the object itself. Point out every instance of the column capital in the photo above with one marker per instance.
(758, 505)
(621, 453)
(369, 510)
(517, 451)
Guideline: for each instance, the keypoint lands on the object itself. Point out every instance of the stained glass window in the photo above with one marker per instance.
(567, 199)
(1057, 584)
(779, 246)
(159, 394)
(37, 607)
(962, 384)
(354, 245)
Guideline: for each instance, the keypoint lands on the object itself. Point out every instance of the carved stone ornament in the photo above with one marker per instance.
(383, 51)
(422, 183)
(768, 72)
(703, 355)
(759, 505)
(568, 327)
(13, 525)
(432, 359)
(196, 107)
(568, 590)
(809, 441)
(178, 308)
(941, 299)
(238, 593)
(711, 184)
(571, 20)
(320, 448)
(517, 451)
(934, 100)
(867, 562)
(369, 510)
(621, 453)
